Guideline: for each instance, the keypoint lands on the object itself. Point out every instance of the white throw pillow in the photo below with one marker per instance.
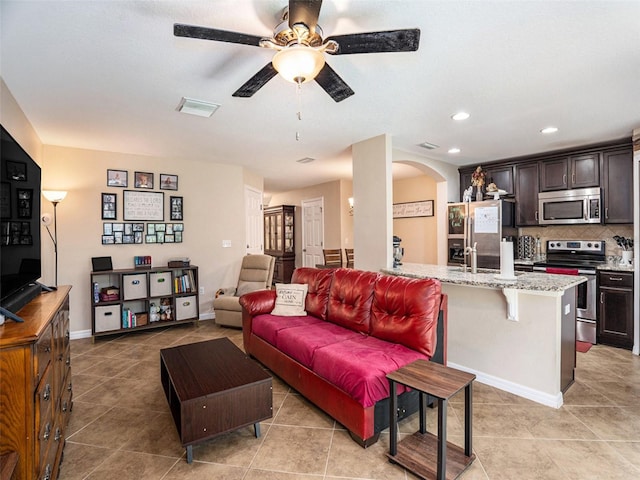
(290, 298)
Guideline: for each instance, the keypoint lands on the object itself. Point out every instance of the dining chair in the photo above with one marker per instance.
(348, 255)
(332, 257)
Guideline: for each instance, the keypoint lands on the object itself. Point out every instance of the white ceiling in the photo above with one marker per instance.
(107, 75)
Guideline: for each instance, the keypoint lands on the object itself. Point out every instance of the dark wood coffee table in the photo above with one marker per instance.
(213, 388)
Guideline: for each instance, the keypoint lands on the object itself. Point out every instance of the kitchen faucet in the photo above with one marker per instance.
(473, 253)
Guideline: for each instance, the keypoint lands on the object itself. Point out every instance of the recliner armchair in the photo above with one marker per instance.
(256, 273)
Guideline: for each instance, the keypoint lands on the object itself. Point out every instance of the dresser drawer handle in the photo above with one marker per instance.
(47, 431)
(68, 362)
(135, 282)
(65, 406)
(69, 387)
(58, 435)
(186, 304)
(616, 279)
(46, 395)
(47, 473)
(160, 280)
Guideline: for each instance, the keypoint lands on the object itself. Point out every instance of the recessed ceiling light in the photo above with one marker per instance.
(454, 150)
(549, 130)
(199, 108)
(428, 146)
(460, 116)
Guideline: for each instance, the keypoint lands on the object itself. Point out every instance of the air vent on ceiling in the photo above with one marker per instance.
(428, 146)
(306, 160)
(197, 107)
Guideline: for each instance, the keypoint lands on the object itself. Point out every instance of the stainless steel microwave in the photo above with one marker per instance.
(569, 207)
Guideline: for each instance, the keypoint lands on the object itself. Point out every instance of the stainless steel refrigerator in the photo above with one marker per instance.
(483, 223)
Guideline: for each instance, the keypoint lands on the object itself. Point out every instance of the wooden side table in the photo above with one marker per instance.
(422, 451)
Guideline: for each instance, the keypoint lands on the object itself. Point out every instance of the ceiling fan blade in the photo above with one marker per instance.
(204, 33)
(256, 82)
(331, 83)
(406, 40)
(304, 11)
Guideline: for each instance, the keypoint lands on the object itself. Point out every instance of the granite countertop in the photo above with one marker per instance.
(534, 281)
(616, 267)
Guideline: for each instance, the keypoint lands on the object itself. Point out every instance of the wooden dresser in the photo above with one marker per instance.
(35, 385)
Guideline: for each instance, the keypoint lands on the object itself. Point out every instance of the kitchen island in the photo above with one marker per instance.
(516, 335)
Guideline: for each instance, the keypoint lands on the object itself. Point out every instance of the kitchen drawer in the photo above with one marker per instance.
(159, 284)
(107, 318)
(186, 307)
(616, 279)
(135, 286)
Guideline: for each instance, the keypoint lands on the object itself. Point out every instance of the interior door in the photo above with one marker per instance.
(254, 220)
(312, 232)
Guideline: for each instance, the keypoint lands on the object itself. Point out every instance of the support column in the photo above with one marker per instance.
(372, 194)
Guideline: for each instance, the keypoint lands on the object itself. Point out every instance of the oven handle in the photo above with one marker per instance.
(580, 272)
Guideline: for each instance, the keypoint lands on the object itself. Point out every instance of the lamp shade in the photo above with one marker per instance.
(54, 196)
(298, 63)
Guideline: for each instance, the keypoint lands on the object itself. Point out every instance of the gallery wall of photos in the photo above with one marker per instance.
(143, 209)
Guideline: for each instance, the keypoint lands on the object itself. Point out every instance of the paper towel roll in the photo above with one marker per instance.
(506, 260)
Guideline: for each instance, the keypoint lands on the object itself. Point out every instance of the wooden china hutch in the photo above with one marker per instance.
(279, 240)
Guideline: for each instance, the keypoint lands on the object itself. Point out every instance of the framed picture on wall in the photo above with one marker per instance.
(117, 178)
(144, 180)
(176, 208)
(109, 211)
(168, 182)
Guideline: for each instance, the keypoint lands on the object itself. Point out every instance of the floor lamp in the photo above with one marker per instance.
(55, 197)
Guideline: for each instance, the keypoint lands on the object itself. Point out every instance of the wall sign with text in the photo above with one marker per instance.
(423, 208)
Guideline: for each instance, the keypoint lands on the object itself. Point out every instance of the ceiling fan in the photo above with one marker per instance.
(301, 48)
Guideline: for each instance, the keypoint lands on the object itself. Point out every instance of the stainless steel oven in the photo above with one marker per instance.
(578, 257)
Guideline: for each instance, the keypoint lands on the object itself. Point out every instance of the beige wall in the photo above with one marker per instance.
(338, 224)
(211, 214)
(419, 234)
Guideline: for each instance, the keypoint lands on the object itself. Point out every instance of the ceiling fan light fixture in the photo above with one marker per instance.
(298, 63)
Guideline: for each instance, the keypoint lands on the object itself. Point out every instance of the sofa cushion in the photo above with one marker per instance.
(269, 326)
(290, 299)
(406, 311)
(350, 298)
(359, 366)
(302, 342)
(319, 282)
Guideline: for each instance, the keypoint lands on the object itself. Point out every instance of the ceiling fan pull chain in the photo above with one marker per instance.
(299, 99)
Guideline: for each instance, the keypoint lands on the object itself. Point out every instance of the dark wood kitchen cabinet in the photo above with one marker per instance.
(526, 186)
(502, 176)
(574, 171)
(617, 185)
(615, 308)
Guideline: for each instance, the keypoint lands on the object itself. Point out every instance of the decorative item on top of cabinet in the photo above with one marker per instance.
(617, 185)
(615, 308)
(279, 240)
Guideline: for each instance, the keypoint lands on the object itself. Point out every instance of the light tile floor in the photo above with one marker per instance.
(121, 427)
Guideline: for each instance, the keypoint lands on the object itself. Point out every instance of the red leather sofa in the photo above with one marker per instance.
(359, 327)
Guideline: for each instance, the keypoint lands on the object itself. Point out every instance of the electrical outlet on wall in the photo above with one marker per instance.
(201, 290)
(226, 243)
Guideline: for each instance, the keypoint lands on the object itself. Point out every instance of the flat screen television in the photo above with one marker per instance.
(20, 182)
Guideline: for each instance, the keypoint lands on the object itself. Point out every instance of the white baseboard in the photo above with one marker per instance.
(537, 396)
(87, 333)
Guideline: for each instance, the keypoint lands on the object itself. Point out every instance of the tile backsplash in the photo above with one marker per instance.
(582, 232)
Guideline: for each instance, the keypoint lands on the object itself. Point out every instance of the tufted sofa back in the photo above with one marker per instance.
(397, 309)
